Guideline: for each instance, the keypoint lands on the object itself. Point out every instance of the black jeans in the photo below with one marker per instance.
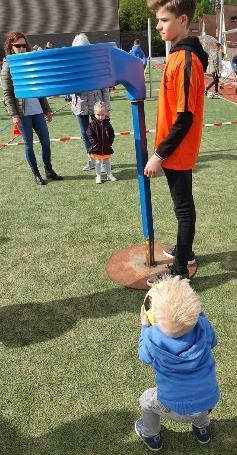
(180, 185)
(214, 82)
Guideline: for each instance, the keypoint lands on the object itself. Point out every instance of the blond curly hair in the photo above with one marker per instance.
(175, 306)
(100, 106)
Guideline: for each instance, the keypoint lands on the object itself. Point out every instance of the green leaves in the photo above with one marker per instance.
(203, 7)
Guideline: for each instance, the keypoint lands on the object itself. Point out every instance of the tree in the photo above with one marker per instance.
(203, 7)
(133, 16)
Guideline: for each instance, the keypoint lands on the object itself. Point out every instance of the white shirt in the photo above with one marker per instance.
(32, 106)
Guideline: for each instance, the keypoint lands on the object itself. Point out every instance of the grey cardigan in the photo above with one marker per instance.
(16, 106)
(83, 103)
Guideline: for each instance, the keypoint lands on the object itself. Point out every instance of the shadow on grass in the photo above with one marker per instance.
(203, 154)
(121, 172)
(25, 324)
(203, 283)
(228, 263)
(4, 240)
(226, 259)
(222, 156)
(207, 157)
(112, 433)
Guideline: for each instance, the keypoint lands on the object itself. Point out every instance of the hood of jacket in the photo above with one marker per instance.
(183, 353)
(192, 44)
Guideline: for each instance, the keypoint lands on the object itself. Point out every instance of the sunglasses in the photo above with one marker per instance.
(18, 46)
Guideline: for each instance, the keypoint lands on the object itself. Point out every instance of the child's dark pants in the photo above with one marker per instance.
(180, 185)
(214, 82)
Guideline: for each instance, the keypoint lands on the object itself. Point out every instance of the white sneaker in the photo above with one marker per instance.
(111, 178)
(98, 179)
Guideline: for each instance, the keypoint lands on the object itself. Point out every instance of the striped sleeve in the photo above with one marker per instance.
(186, 84)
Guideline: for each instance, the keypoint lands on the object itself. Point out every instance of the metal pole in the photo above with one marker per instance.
(139, 127)
(149, 53)
(221, 22)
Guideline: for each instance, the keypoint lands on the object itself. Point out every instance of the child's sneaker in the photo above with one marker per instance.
(170, 253)
(111, 178)
(153, 443)
(98, 179)
(202, 434)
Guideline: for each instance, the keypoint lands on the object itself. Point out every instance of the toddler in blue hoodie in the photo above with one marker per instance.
(178, 346)
(138, 52)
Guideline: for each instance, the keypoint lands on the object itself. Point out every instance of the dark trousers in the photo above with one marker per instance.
(84, 121)
(214, 82)
(38, 124)
(180, 185)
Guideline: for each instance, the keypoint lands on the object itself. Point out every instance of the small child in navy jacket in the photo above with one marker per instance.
(178, 346)
(101, 137)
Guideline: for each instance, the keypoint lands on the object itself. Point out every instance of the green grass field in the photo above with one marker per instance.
(70, 377)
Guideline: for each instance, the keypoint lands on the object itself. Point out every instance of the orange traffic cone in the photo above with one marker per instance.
(15, 131)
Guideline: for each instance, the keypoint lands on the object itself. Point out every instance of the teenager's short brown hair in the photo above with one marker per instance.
(176, 7)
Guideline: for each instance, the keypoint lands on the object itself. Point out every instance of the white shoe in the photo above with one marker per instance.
(98, 179)
(111, 178)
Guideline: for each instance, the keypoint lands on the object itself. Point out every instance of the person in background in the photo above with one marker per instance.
(138, 52)
(82, 105)
(101, 137)
(49, 45)
(215, 67)
(28, 114)
(234, 63)
(178, 347)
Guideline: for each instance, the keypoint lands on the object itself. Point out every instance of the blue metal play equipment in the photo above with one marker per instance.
(82, 68)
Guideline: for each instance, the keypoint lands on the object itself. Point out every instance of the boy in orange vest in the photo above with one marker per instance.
(179, 123)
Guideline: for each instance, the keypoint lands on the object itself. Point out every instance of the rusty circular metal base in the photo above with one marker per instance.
(127, 267)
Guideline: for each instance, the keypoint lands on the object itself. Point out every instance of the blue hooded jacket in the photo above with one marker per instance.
(184, 367)
(139, 53)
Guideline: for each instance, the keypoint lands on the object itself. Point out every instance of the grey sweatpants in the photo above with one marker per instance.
(153, 409)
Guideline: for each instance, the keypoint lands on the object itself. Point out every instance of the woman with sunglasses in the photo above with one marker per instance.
(28, 114)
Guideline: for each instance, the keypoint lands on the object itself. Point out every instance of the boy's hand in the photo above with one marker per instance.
(144, 318)
(153, 166)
